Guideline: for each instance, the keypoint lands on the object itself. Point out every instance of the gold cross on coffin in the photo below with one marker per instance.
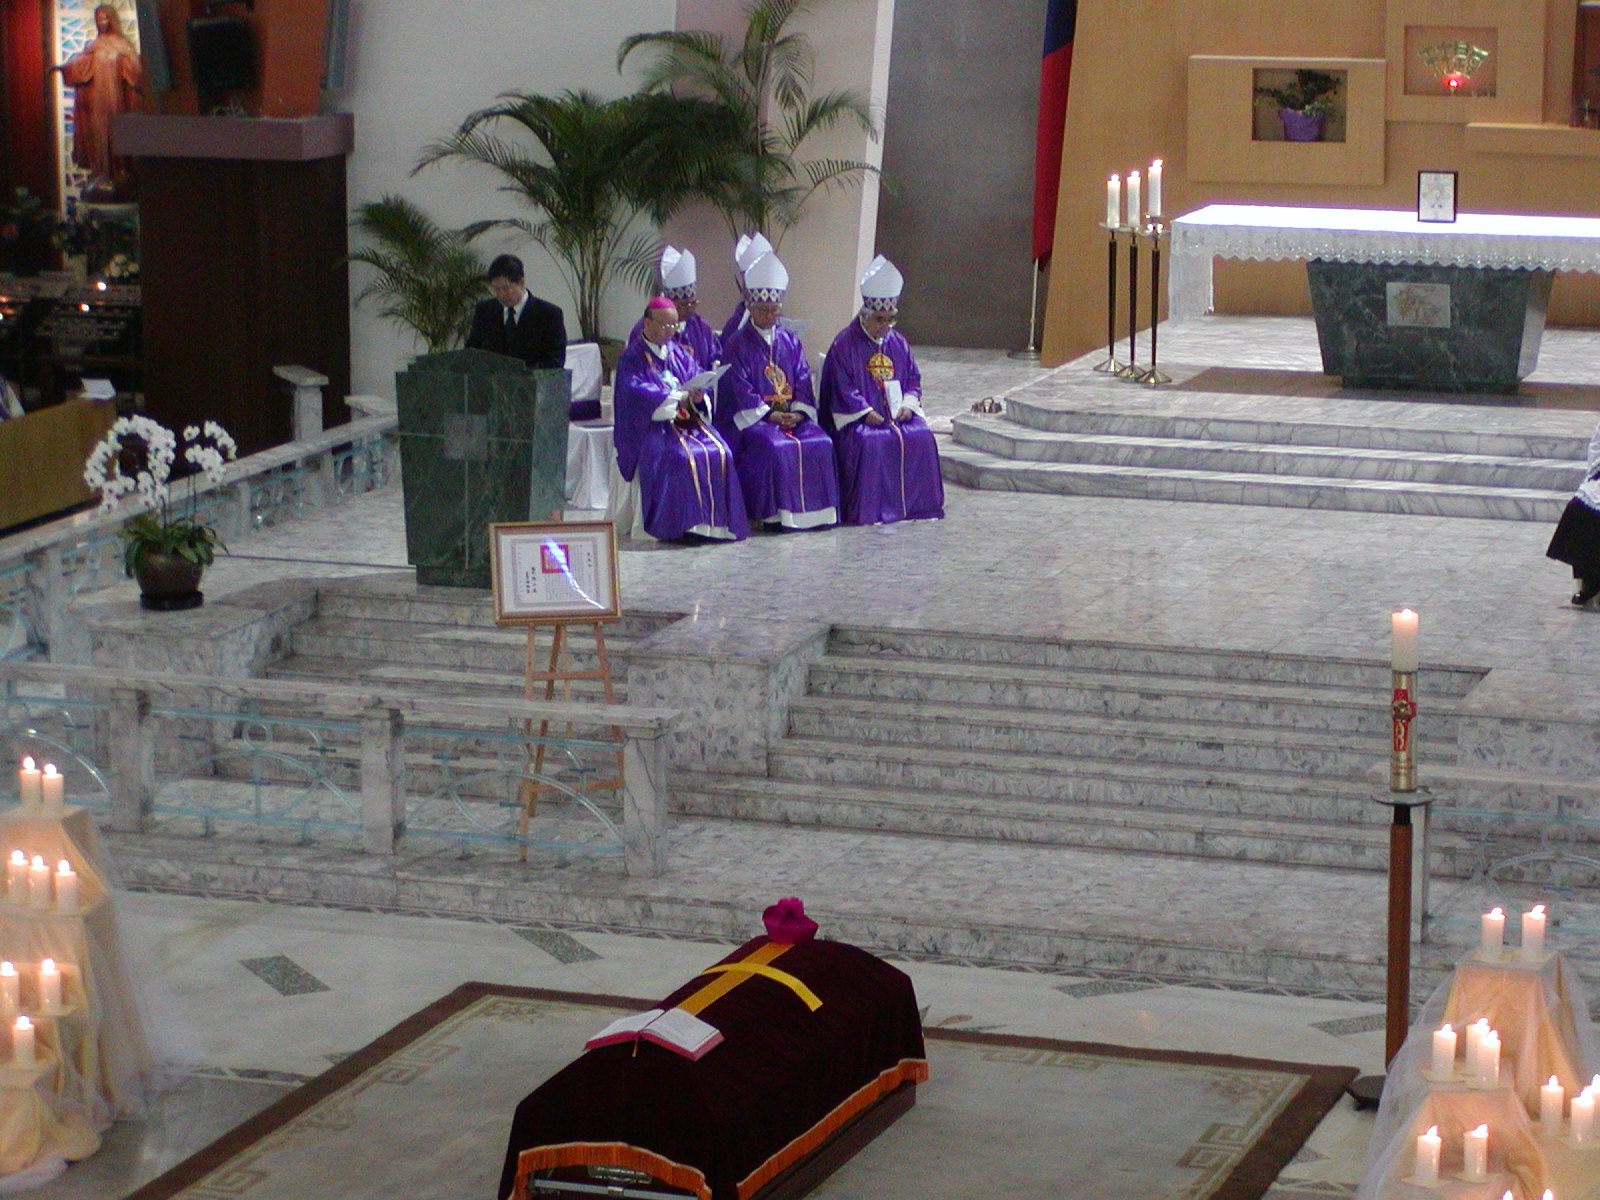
(731, 975)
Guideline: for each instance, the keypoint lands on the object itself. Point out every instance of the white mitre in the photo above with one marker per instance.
(754, 249)
(766, 280)
(677, 272)
(881, 285)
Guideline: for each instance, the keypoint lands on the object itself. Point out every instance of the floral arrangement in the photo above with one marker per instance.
(109, 246)
(138, 457)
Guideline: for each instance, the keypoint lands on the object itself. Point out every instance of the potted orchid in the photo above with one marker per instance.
(166, 553)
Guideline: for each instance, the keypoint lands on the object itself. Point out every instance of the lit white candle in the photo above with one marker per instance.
(1403, 628)
(17, 878)
(10, 987)
(1428, 1146)
(1489, 1059)
(1533, 932)
(50, 986)
(1552, 1096)
(66, 887)
(28, 782)
(1582, 1117)
(22, 1043)
(1153, 201)
(1114, 201)
(38, 883)
(1476, 1142)
(1444, 1050)
(1492, 933)
(52, 788)
(1133, 199)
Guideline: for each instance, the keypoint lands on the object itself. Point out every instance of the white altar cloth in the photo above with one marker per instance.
(1263, 232)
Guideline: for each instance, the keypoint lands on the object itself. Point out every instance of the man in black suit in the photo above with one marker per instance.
(516, 323)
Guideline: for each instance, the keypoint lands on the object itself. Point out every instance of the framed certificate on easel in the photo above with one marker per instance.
(554, 571)
(1436, 196)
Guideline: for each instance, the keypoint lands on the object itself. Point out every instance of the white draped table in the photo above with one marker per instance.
(1263, 232)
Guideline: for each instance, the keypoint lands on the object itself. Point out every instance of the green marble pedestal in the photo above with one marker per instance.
(483, 438)
(1446, 329)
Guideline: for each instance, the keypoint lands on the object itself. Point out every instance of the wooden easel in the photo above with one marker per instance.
(557, 672)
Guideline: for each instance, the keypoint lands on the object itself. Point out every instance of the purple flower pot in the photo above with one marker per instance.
(1300, 126)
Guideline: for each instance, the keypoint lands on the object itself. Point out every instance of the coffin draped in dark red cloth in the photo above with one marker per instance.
(783, 1081)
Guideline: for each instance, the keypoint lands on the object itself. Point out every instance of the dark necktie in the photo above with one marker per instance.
(511, 317)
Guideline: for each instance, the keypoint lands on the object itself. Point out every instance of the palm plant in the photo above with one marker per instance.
(749, 162)
(600, 164)
(428, 278)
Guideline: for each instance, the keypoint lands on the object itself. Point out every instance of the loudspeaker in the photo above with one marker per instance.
(221, 54)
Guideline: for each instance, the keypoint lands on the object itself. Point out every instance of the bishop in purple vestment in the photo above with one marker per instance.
(678, 284)
(872, 400)
(686, 475)
(766, 411)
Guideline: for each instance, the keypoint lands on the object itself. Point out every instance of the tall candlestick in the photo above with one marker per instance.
(17, 878)
(22, 1043)
(1533, 932)
(1551, 1098)
(38, 883)
(1403, 629)
(1133, 199)
(1153, 202)
(52, 788)
(10, 987)
(1476, 1142)
(1444, 1050)
(1114, 201)
(1492, 934)
(66, 887)
(1428, 1146)
(1582, 1117)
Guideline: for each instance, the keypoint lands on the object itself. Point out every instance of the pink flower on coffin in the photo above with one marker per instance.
(787, 923)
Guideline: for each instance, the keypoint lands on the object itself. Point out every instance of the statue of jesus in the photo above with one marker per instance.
(106, 77)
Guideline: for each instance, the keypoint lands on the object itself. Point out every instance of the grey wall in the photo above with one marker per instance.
(958, 144)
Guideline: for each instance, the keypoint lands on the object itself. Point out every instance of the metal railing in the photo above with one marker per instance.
(45, 568)
(339, 765)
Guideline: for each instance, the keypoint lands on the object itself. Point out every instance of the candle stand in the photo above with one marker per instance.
(1155, 228)
(1111, 366)
(1130, 369)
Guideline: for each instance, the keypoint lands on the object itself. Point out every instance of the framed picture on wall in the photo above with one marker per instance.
(556, 571)
(1436, 196)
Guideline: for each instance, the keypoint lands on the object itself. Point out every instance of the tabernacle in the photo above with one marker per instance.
(822, 1050)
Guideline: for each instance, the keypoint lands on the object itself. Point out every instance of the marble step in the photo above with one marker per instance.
(976, 469)
(1126, 661)
(400, 599)
(1337, 842)
(1362, 713)
(1006, 439)
(442, 681)
(403, 642)
(1416, 436)
(434, 765)
(851, 725)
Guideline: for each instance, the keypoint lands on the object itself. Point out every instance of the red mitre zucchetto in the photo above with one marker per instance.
(787, 923)
(660, 302)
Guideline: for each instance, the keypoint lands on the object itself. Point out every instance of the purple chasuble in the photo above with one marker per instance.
(687, 479)
(788, 475)
(887, 472)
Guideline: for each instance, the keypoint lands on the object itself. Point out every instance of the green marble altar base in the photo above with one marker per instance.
(483, 439)
(1440, 329)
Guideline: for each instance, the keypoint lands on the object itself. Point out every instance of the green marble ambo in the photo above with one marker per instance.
(483, 438)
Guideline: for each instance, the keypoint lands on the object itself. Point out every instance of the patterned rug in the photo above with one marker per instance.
(424, 1111)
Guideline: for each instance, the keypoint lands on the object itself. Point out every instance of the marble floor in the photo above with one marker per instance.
(246, 998)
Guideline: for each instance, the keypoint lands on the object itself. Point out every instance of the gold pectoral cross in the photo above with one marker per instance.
(782, 389)
(731, 975)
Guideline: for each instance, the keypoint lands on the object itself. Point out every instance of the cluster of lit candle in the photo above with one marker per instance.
(33, 884)
(41, 789)
(1482, 1059)
(48, 987)
(1492, 933)
(1143, 205)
